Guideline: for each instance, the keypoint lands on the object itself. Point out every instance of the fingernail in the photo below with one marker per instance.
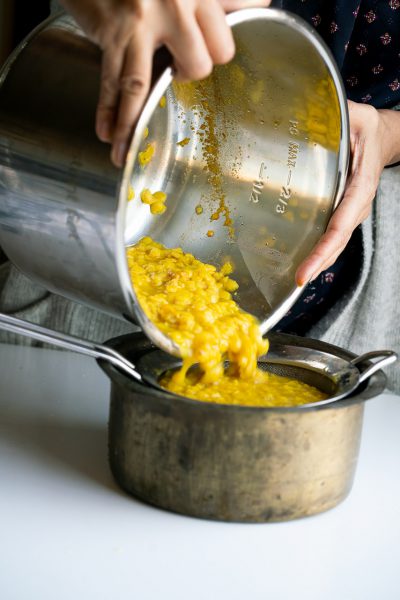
(301, 281)
(118, 153)
(306, 280)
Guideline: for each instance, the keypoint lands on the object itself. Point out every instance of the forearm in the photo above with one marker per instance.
(391, 132)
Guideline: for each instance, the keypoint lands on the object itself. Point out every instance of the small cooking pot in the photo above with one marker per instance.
(226, 462)
(235, 463)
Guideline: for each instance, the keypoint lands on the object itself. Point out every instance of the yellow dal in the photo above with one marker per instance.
(265, 390)
(191, 302)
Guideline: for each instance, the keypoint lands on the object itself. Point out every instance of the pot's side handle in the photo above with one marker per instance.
(385, 358)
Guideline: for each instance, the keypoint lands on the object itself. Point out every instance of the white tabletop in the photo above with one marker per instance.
(68, 532)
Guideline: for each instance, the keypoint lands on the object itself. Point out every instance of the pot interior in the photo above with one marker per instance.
(263, 148)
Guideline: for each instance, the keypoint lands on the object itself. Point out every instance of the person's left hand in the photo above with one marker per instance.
(374, 143)
(130, 31)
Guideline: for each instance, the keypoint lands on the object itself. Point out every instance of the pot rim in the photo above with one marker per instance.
(373, 387)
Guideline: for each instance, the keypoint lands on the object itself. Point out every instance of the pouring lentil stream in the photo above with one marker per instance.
(192, 302)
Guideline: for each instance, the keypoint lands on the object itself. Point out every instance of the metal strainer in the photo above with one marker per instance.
(331, 374)
(335, 376)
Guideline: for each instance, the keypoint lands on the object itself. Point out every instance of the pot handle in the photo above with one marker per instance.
(69, 342)
(385, 358)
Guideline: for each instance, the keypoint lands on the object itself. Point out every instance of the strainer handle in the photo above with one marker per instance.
(69, 342)
(385, 358)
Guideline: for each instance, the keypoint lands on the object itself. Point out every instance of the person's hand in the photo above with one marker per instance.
(129, 32)
(374, 143)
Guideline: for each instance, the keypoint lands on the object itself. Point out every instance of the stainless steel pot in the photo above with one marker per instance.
(267, 141)
(233, 463)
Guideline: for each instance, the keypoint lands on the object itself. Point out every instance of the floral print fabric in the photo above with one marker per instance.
(364, 37)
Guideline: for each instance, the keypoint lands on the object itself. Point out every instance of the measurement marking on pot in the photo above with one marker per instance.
(284, 197)
(258, 185)
(293, 127)
(291, 162)
(293, 150)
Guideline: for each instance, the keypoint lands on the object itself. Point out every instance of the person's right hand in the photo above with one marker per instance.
(129, 32)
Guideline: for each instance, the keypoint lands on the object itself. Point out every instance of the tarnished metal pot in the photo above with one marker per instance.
(264, 140)
(233, 463)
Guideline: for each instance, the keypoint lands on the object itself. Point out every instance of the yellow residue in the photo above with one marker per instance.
(183, 142)
(289, 216)
(131, 193)
(196, 96)
(256, 91)
(319, 117)
(265, 390)
(199, 209)
(211, 151)
(146, 155)
(210, 233)
(163, 102)
(146, 133)
(191, 302)
(238, 75)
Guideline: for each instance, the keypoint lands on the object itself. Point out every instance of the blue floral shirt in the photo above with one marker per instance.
(364, 37)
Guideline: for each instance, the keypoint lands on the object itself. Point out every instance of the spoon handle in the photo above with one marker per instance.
(68, 342)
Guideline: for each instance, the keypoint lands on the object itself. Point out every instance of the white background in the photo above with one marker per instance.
(68, 532)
